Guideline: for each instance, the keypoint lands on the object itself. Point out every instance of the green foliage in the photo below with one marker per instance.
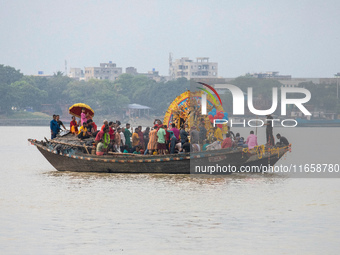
(159, 97)
(262, 92)
(6, 98)
(142, 90)
(9, 74)
(261, 87)
(323, 96)
(55, 87)
(108, 97)
(26, 94)
(101, 95)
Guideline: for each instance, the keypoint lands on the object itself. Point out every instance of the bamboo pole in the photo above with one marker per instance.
(86, 149)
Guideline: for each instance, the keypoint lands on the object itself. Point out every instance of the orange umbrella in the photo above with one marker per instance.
(75, 110)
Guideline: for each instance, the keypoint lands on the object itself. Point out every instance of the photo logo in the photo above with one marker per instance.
(238, 100)
(204, 97)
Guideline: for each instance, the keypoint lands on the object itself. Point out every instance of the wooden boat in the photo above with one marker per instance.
(64, 158)
(68, 153)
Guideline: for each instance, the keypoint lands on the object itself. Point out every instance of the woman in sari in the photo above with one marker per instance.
(152, 145)
(74, 126)
(83, 116)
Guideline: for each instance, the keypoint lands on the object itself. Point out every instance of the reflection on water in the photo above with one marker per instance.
(90, 213)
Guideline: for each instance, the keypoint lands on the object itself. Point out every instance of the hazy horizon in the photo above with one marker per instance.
(294, 38)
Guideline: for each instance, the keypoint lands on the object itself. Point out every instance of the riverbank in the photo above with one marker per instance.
(24, 122)
(25, 119)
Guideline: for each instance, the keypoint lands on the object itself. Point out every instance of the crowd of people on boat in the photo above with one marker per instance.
(159, 139)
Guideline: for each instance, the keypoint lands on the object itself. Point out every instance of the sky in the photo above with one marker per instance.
(295, 37)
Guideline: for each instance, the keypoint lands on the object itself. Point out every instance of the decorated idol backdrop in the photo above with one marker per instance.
(186, 110)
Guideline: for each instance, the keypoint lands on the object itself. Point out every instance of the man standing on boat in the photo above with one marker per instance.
(175, 130)
(127, 135)
(183, 134)
(161, 146)
(122, 136)
(146, 137)
(269, 130)
(141, 137)
(202, 133)
(173, 142)
(194, 135)
(60, 123)
(135, 138)
(54, 126)
(117, 139)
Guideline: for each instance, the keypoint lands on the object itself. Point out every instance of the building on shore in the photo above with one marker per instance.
(76, 73)
(294, 82)
(152, 75)
(106, 71)
(269, 75)
(131, 70)
(288, 81)
(187, 68)
(41, 74)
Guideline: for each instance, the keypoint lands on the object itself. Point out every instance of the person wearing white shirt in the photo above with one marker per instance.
(122, 143)
(216, 145)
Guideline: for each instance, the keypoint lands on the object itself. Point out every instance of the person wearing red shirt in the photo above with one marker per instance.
(94, 126)
(167, 137)
(112, 131)
(158, 124)
(227, 143)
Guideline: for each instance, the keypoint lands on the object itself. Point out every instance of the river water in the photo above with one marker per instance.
(43, 211)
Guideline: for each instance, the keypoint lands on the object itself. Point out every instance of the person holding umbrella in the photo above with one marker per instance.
(83, 116)
(82, 111)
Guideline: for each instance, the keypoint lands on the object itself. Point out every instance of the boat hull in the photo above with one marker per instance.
(269, 158)
(168, 164)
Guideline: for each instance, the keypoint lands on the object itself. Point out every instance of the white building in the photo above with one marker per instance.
(185, 67)
(76, 73)
(106, 71)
